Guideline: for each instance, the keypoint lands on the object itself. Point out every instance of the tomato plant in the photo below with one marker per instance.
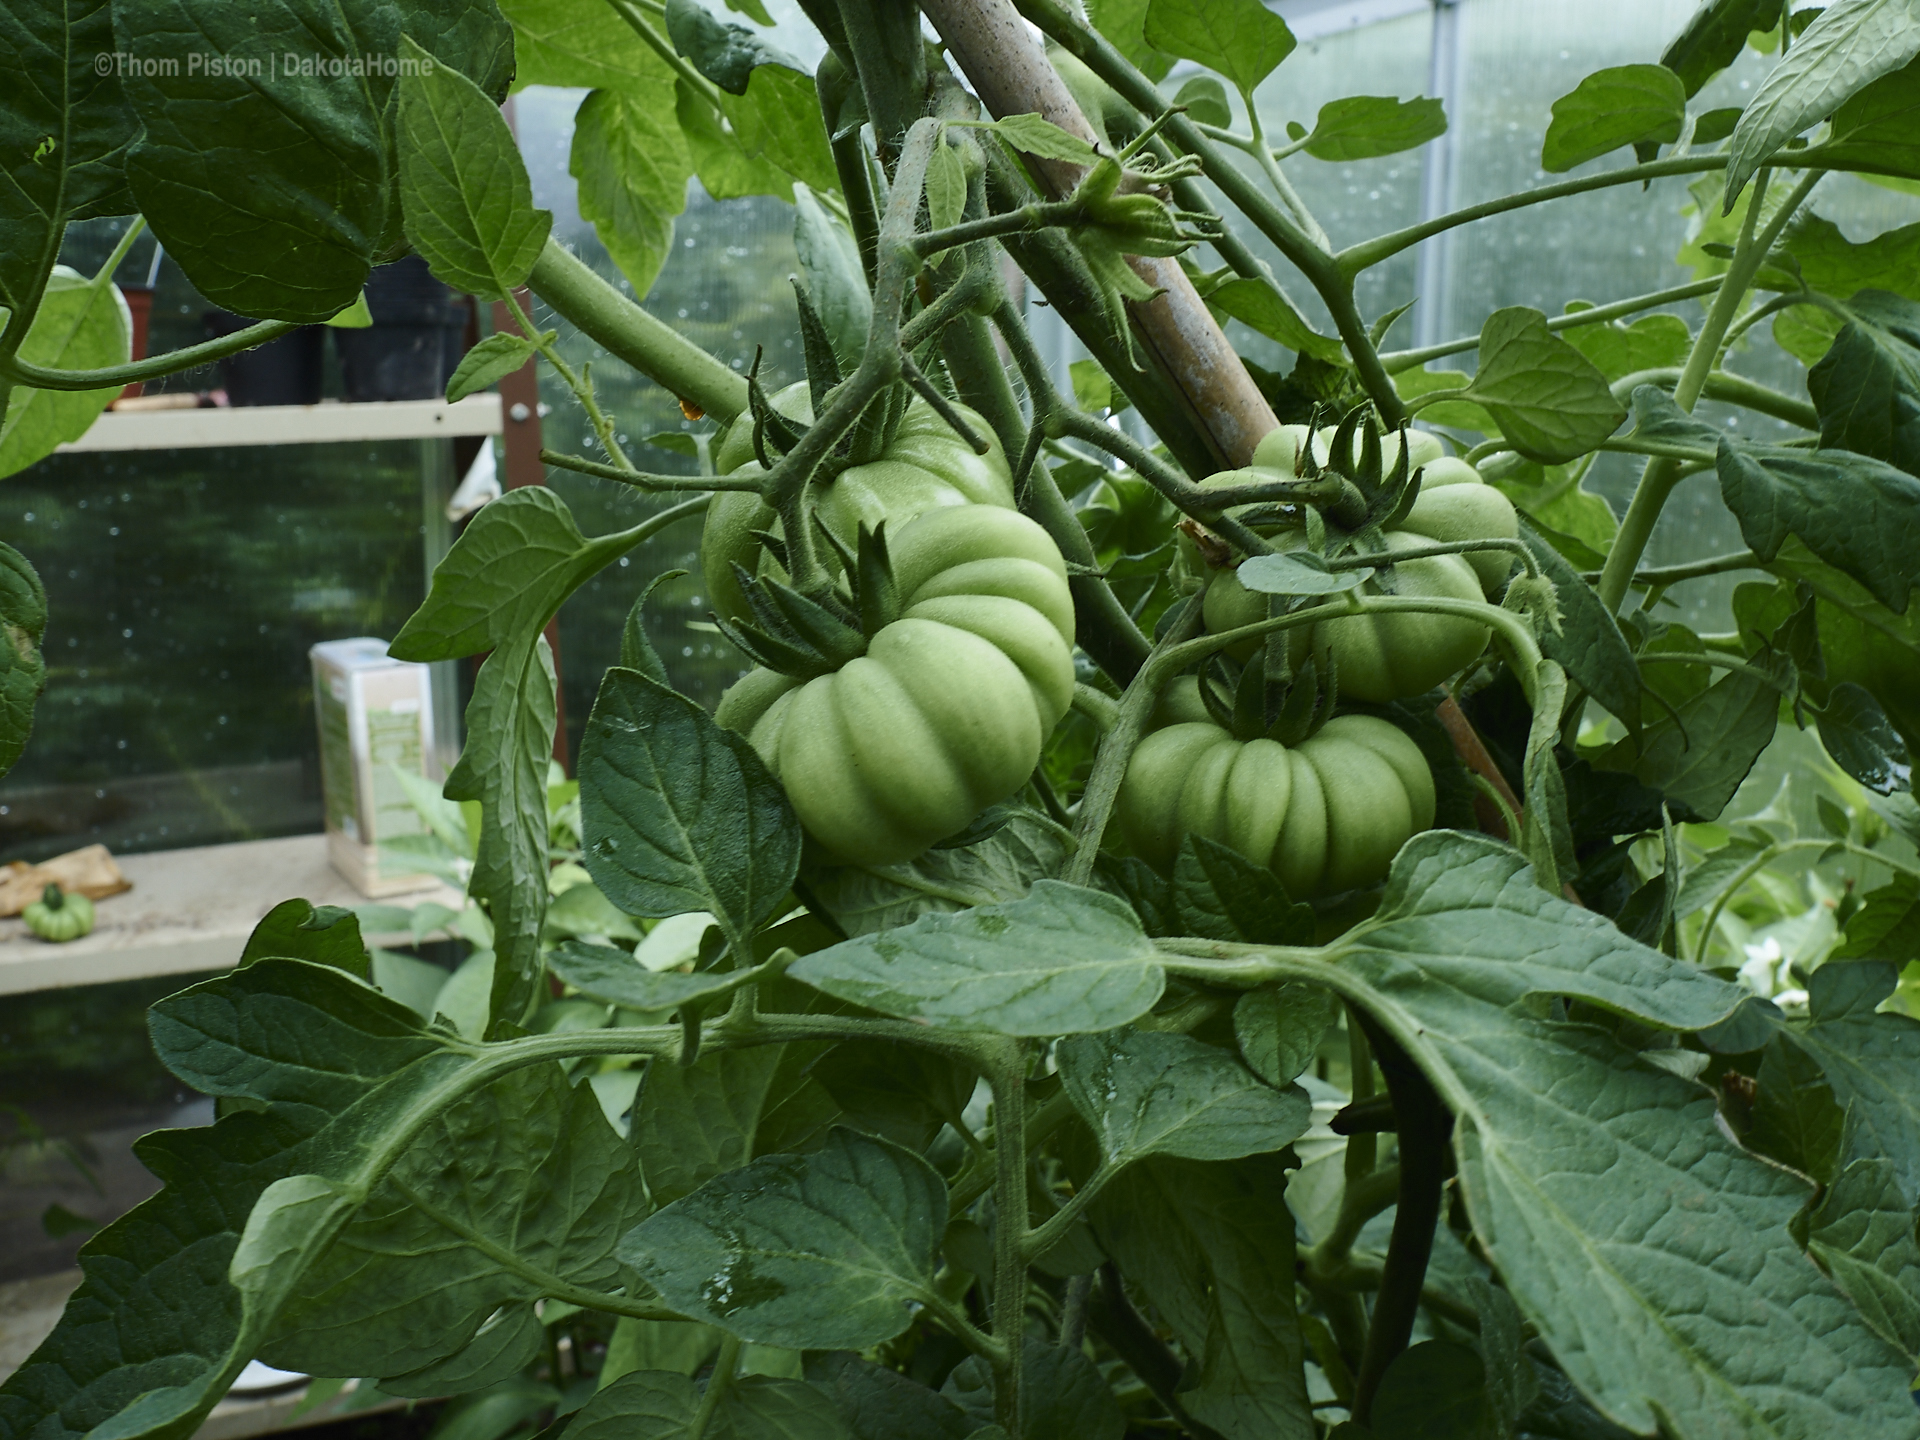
(1196, 924)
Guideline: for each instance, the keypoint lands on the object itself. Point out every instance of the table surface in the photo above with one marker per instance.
(189, 911)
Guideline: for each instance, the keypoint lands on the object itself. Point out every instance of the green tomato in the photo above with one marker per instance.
(925, 467)
(1326, 815)
(1388, 657)
(946, 712)
(59, 916)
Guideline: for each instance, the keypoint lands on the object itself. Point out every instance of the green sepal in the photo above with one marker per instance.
(823, 366)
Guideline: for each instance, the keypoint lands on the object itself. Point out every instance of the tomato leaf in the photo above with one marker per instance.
(1002, 867)
(1146, 1092)
(1618, 106)
(679, 815)
(1863, 1234)
(1698, 757)
(413, 1275)
(693, 1123)
(1589, 647)
(1062, 961)
(608, 973)
(1795, 1119)
(510, 724)
(1547, 398)
(1855, 731)
(1867, 386)
(23, 671)
(81, 325)
(1714, 37)
(349, 1075)
(882, 1404)
(1360, 127)
(581, 43)
(836, 283)
(1069, 1398)
(1206, 101)
(1848, 46)
(1264, 306)
(1220, 894)
(1878, 130)
(1033, 135)
(726, 54)
(464, 191)
(1872, 1061)
(820, 1251)
(632, 164)
(1123, 22)
(493, 359)
(1653, 342)
(1558, 1128)
(1280, 1027)
(664, 1404)
(1858, 514)
(1241, 40)
(76, 108)
(301, 163)
(1298, 573)
(1200, 1242)
(296, 930)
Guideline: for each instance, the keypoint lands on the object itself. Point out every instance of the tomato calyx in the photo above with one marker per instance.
(1291, 708)
(813, 634)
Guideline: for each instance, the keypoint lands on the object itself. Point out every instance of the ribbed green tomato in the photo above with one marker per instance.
(59, 915)
(927, 465)
(946, 712)
(1327, 815)
(1389, 657)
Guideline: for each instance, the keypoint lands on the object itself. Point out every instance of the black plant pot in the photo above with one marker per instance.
(281, 372)
(410, 350)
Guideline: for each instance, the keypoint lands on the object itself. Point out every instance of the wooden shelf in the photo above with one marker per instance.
(324, 424)
(189, 911)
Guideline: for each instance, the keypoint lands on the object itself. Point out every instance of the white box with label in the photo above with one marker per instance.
(375, 713)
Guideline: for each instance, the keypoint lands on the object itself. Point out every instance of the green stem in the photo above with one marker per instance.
(1270, 167)
(1695, 570)
(581, 384)
(724, 1366)
(1363, 1198)
(635, 13)
(1363, 1151)
(1117, 746)
(1367, 253)
(1772, 853)
(652, 483)
(1189, 497)
(648, 344)
(1725, 386)
(1661, 475)
(24, 372)
(1008, 1079)
(1321, 269)
(1039, 1241)
(1040, 215)
(1398, 360)
(1424, 1130)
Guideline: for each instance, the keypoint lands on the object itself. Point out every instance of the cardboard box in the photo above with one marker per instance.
(375, 714)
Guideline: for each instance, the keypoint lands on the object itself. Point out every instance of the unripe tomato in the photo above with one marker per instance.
(946, 712)
(1389, 657)
(59, 915)
(1326, 815)
(926, 465)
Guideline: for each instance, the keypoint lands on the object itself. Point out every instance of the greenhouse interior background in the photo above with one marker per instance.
(187, 586)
